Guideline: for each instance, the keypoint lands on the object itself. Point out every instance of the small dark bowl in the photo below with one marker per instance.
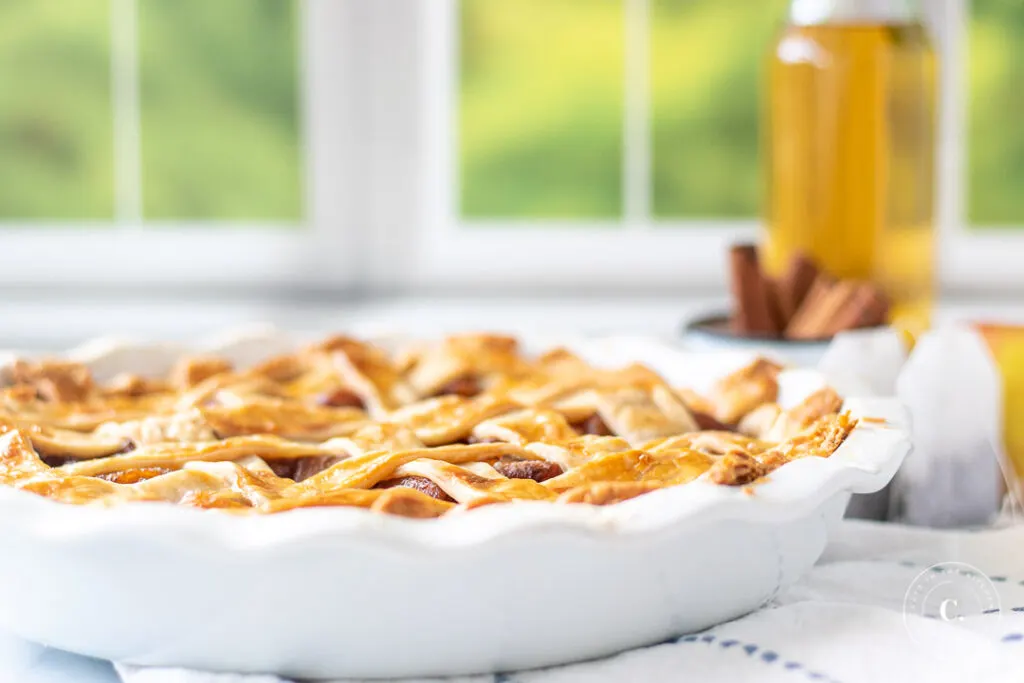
(720, 325)
(715, 333)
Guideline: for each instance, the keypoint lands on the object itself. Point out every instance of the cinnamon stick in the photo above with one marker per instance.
(756, 309)
(795, 284)
(860, 310)
(805, 323)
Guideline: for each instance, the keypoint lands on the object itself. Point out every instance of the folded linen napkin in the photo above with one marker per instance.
(886, 603)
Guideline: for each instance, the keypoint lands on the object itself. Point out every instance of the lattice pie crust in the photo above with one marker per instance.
(437, 429)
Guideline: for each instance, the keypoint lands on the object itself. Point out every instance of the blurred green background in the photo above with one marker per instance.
(218, 100)
(996, 136)
(541, 113)
(220, 114)
(540, 117)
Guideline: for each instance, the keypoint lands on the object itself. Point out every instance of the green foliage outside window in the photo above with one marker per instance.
(540, 112)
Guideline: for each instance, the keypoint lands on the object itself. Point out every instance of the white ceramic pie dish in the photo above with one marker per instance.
(337, 592)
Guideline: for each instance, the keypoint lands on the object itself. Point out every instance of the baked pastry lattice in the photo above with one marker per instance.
(435, 429)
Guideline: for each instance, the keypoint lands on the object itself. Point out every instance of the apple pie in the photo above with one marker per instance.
(434, 429)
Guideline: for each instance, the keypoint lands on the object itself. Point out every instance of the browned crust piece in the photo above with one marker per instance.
(736, 469)
(175, 445)
(54, 381)
(608, 493)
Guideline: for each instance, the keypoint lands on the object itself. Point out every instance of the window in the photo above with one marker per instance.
(554, 141)
(615, 142)
(56, 129)
(218, 109)
(172, 142)
(541, 106)
(983, 149)
(996, 147)
(495, 143)
(543, 97)
(199, 101)
(707, 61)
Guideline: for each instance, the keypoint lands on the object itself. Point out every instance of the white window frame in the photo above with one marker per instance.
(974, 259)
(442, 250)
(634, 252)
(130, 250)
(379, 92)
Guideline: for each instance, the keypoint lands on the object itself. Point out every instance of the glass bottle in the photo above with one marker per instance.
(851, 121)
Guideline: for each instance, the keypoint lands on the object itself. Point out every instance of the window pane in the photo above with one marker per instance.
(708, 58)
(56, 135)
(220, 113)
(996, 154)
(541, 108)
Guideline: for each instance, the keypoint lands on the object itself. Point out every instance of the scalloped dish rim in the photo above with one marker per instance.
(864, 463)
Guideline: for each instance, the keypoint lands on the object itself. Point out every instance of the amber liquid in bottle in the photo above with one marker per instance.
(851, 126)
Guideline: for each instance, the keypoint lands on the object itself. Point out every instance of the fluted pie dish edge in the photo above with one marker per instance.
(352, 593)
(864, 463)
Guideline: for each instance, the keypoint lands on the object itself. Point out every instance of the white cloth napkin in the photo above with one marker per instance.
(886, 603)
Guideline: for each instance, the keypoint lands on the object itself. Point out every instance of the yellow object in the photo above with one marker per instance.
(1007, 345)
(851, 140)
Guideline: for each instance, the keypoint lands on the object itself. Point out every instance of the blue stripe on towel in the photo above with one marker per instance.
(751, 649)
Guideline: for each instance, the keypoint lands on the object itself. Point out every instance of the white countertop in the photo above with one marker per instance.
(53, 324)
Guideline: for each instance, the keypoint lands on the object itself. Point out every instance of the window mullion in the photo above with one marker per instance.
(948, 22)
(334, 152)
(124, 57)
(636, 169)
